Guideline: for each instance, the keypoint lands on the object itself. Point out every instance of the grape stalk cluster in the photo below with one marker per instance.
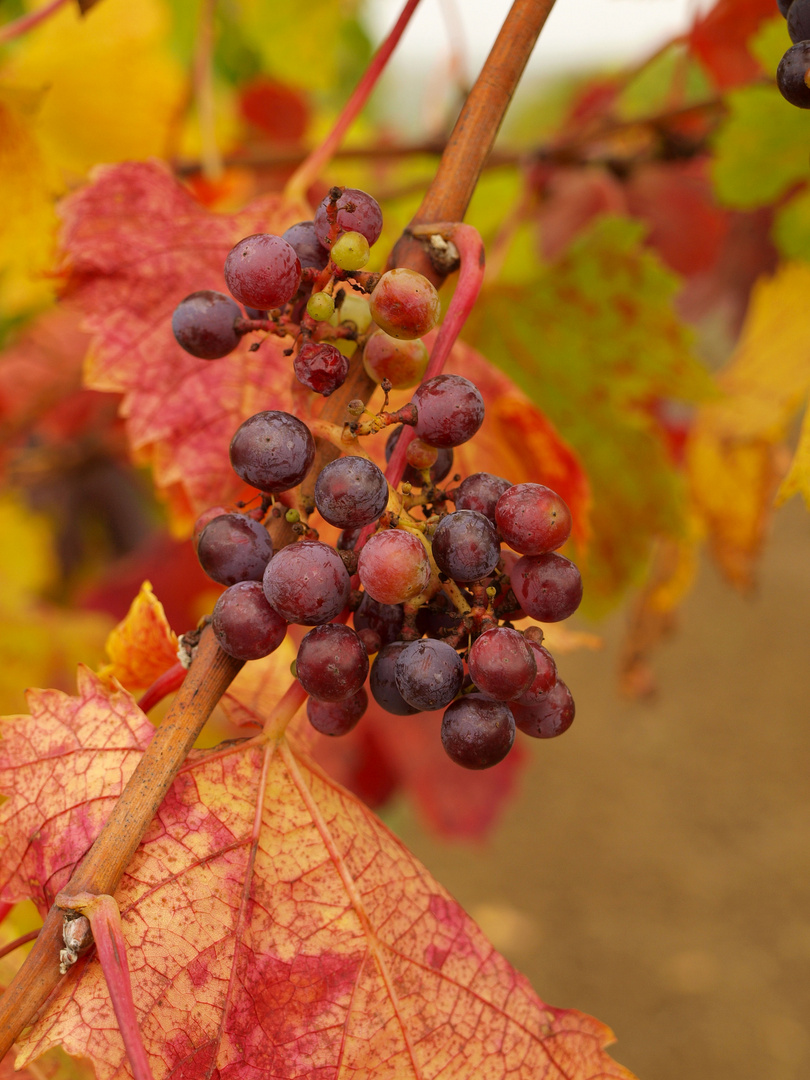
(432, 577)
(793, 73)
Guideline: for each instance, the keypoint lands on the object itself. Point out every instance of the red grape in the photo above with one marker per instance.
(356, 211)
(476, 732)
(551, 716)
(234, 547)
(429, 673)
(307, 583)
(320, 367)
(351, 491)
(405, 304)
(480, 492)
(382, 680)
(501, 663)
(545, 677)
(272, 451)
(244, 623)
(337, 717)
(304, 241)
(203, 324)
(263, 271)
(403, 363)
(465, 546)
(332, 664)
(394, 566)
(532, 518)
(450, 408)
(444, 462)
(548, 587)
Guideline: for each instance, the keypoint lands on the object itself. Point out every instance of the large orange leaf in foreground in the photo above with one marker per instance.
(275, 928)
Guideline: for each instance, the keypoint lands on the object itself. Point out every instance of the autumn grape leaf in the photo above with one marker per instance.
(113, 88)
(143, 645)
(593, 340)
(798, 477)
(720, 39)
(274, 927)
(734, 452)
(135, 244)
(26, 191)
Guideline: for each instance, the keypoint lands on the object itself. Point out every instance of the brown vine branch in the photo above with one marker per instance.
(211, 672)
(478, 124)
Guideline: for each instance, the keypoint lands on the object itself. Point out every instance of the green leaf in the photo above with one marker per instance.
(594, 341)
(791, 227)
(762, 149)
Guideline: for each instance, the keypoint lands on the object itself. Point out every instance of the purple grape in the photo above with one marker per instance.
(551, 716)
(203, 324)
(476, 732)
(382, 681)
(545, 676)
(444, 462)
(784, 7)
(798, 21)
(465, 546)
(429, 673)
(450, 408)
(357, 211)
(337, 717)
(439, 616)
(320, 367)
(234, 547)
(332, 664)
(272, 451)
(307, 583)
(263, 271)
(303, 239)
(791, 74)
(351, 491)
(532, 518)
(480, 492)
(548, 587)
(385, 620)
(244, 623)
(502, 664)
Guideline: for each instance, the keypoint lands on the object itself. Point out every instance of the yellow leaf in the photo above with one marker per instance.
(143, 645)
(28, 221)
(113, 89)
(798, 477)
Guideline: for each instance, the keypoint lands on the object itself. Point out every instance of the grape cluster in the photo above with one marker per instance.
(425, 580)
(793, 73)
(310, 283)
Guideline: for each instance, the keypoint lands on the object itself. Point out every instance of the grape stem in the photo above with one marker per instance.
(164, 684)
(310, 169)
(470, 248)
(27, 22)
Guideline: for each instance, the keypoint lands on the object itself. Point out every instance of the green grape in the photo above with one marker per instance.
(350, 251)
(320, 306)
(354, 309)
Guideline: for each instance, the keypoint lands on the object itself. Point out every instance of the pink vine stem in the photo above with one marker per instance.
(27, 22)
(470, 248)
(309, 169)
(167, 683)
(17, 942)
(108, 935)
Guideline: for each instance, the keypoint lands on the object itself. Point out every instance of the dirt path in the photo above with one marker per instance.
(669, 894)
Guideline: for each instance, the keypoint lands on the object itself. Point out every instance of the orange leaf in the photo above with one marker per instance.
(274, 927)
(135, 244)
(143, 645)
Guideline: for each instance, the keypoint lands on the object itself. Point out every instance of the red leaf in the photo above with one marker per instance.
(136, 244)
(274, 928)
(280, 111)
(719, 39)
(687, 227)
